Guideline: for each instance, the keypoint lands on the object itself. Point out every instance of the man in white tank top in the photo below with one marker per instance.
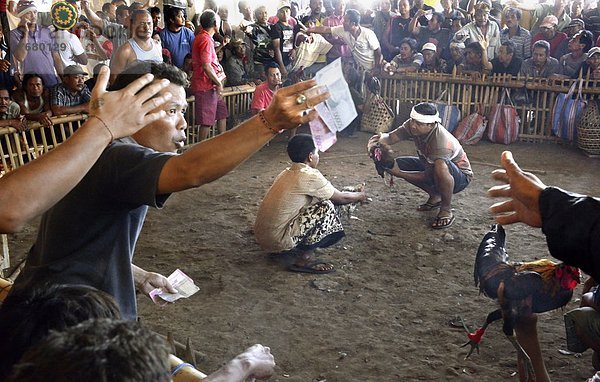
(141, 47)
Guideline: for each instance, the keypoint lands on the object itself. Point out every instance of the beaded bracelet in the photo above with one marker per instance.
(112, 137)
(261, 115)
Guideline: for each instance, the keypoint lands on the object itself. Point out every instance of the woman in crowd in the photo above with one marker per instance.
(408, 60)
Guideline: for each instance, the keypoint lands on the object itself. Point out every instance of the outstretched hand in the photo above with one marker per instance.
(285, 113)
(127, 110)
(259, 360)
(523, 190)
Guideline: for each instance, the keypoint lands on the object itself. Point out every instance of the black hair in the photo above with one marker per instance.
(426, 108)
(587, 39)
(476, 47)
(514, 11)
(97, 350)
(353, 16)
(208, 19)
(97, 68)
(509, 45)
(29, 314)
(270, 65)
(154, 10)
(542, 44)
(121, 9)
(439, 16)
(27, 77)
(410, 42)
(160, 70)
(106, 6)
(171, 13)
(308, 18)
(299, 147)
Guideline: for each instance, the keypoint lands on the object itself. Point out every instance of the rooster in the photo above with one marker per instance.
(383, 157)
(521, 289)
(346, 210)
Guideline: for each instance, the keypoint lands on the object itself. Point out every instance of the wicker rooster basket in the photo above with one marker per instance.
(588, 129)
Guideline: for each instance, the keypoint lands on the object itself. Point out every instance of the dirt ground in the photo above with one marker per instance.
(384, 315)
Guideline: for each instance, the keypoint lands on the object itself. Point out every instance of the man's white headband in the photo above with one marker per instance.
(422, 118)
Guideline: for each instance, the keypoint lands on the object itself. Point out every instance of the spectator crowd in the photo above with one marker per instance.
(48, 64)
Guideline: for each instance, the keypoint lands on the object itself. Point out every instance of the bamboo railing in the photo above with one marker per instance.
(470, 94)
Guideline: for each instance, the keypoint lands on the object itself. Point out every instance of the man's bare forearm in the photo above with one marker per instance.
(16, 187)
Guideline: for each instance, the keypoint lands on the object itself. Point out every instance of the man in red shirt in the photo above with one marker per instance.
(208, 78)
(548, 32)
(263, 94)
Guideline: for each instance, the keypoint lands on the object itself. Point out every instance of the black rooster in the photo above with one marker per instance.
(383, 157)
(521, 288)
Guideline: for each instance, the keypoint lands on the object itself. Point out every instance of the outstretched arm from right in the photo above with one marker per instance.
(523, 190)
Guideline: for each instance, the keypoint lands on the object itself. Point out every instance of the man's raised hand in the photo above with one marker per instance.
(127, 110)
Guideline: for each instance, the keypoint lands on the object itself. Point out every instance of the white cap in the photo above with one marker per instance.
(429, 46)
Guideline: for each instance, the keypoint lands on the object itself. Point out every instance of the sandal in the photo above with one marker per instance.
(312, 268)
(443, 221)
(428, 206)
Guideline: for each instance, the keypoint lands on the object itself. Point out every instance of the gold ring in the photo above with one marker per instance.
(300, 99)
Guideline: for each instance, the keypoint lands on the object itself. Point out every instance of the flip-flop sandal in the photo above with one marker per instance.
(442, 222)
(429, 206)
(310, 268)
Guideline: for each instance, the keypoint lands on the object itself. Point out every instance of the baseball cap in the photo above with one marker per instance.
(429, 46)
(74, 70)
(549, 22)
(594, 50)
(284, 4)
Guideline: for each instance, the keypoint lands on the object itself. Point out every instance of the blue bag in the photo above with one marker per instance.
(449, 114)
(566, 113)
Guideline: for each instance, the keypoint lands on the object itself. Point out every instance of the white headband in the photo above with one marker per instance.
(422, 118)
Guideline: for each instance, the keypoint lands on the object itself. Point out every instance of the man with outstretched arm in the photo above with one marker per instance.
(89, 236)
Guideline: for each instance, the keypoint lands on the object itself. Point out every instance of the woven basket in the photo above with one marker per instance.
(377, 116)
(588, 129)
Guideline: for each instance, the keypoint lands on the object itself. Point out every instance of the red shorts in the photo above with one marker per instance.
(209, 107)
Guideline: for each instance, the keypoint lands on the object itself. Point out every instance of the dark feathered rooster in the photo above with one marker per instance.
(383, 157)
(521, 288)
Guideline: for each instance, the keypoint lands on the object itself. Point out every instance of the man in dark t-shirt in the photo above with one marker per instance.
(282, 38)
(506, 62)
(89, 236)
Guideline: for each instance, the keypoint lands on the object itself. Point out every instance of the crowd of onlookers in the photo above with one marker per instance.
(48, 66)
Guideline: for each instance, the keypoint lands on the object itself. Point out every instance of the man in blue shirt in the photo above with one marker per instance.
(176, 38)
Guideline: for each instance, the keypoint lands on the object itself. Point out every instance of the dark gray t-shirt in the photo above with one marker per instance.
(89, 236)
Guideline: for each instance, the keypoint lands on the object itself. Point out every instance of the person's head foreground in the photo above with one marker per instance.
(98, 350)
(28, 315)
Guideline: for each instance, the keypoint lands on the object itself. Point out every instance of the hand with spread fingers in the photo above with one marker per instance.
(523, 190)
(139, 96)
(290, 104)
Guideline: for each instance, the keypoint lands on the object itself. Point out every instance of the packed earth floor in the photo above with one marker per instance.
(385, 314)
